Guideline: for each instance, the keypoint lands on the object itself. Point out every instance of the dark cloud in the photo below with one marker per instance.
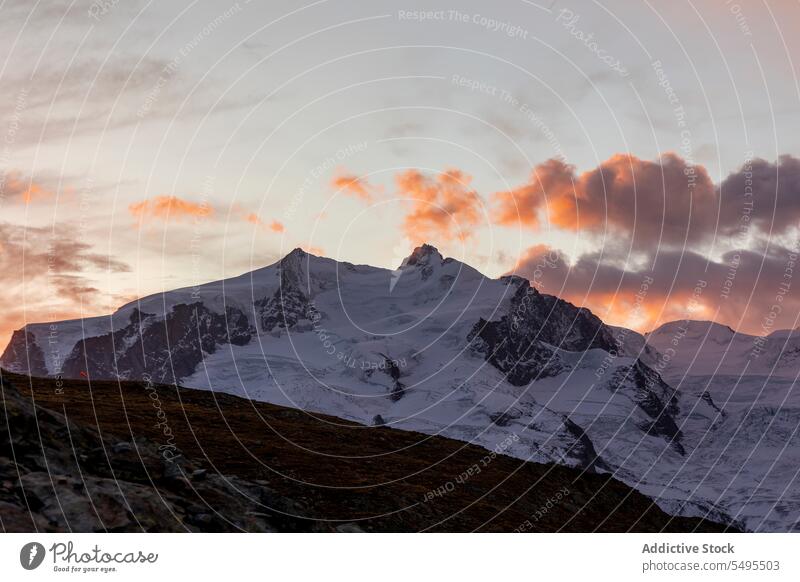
(771, 189)
(666, 202)
(656, 222)
(741, 289)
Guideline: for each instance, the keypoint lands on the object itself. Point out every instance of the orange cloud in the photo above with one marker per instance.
(169, 207)
(312, 250)
(14, 186)
(523, 205)
(172, 207)
(667, 201)
(274, 226)
(442, 208)
(354, 186)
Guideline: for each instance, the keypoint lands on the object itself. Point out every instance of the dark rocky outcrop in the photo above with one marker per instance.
(23, 354)
(284, 309)
(521, 362)
(166, 349)
(392, 368)
(583, 450)
(657, 399)
(290, 303)
(557, 322)
(520, 343)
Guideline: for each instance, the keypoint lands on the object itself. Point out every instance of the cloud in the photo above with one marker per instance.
(766, 193)
(354, 186)
(741, 289)
(49, 250)
(313, 250)
(16, 187)
(173, 208)
(274, 226)
(88, 97)
(442, 207)
(168, 208)
(47, 274)
(655, 223)
(665, 202)
(91, 96)
(550, 181)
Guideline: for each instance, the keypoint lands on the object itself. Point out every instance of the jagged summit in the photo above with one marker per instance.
(295, 255)
(298, 256)
(291, 261)
(424, 254)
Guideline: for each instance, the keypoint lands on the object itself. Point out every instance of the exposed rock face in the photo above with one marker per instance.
(520, 344)
(557, 322)
(655, 398)
(460, 336)
(290, 302)
(287, 306)
(393, 369)
(166, 349)
(24, 355)
(521, 363)
(424, 258)
(583, 451)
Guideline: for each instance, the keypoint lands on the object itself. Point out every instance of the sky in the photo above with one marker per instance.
(641, 159)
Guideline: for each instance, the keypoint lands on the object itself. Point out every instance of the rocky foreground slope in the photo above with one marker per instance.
(141, 457)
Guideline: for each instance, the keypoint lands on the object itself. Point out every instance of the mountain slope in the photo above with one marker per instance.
(704, 348)
(106, 462)
(753, 450)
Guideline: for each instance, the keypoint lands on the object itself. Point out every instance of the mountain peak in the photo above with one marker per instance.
(709, 329)
(423, 255)
(293, 259)
(785, 333)
(302, 257)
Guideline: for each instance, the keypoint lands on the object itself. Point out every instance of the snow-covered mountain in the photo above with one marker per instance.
(434, 346)
(705, 348)
(753, 381)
